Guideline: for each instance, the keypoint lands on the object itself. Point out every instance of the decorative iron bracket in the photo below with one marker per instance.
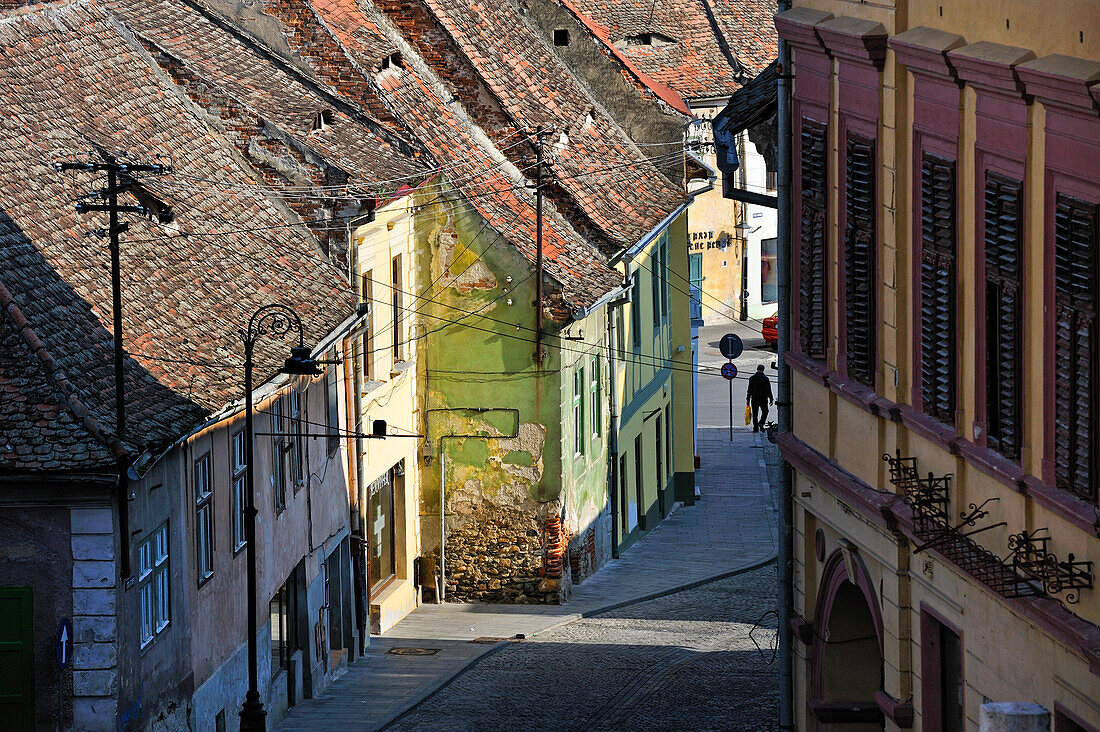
(1031, 557)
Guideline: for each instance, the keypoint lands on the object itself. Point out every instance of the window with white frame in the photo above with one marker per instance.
(152, 566)
(280, 444)
(595, 407)
(239, 502)
(297, 465)
(204, 519)
(578, 411)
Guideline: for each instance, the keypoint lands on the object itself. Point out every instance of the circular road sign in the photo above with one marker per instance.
(729, 371)
(731, 346)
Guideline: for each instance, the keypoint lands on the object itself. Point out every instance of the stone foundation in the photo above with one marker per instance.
(499, 557)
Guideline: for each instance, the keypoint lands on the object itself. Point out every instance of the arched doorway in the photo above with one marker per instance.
(846, 661)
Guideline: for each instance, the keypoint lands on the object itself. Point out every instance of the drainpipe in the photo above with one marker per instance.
(783, 260)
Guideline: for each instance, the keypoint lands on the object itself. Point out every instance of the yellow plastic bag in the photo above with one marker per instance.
(748, 415)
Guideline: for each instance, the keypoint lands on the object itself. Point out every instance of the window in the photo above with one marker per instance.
(620, 332)
(860, 280)
(578, 412)
(664, 278)
(240, 501)
(332, 404)
(941, 675)
(279, 613)
(596, 407)
(655, 270)
(395, 292)
(812, 283)
(561, 37)
(636, 311)
(368, 334)
(769, 275)
(1003, 225)
(153, 585)
(279, 445)
(937, 288)
(1075, 346)
(204, 519)
(770, 180)
(296, 453)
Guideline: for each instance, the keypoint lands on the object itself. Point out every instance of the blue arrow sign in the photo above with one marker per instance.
(63, 648)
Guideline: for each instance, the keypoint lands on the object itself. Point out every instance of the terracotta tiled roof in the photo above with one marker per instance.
(38, 432)
(715, 43)
(72, 79)
(603, 34)
(482, 173)
(593, 160)
(362, 146)
(477, 167)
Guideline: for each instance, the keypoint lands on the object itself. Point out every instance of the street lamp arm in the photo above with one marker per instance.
(275, 320)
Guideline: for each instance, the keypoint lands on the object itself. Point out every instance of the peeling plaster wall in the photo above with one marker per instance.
(496, 419)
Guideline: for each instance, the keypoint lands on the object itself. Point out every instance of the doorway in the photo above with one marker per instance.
(17, 657)
(847, 666)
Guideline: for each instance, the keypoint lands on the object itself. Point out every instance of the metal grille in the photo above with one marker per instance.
(859, 259)
(1075, 347)
(812, 284)
(1003, 229)
(937, 288)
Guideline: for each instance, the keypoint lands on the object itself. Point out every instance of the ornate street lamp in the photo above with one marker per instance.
(275, 320)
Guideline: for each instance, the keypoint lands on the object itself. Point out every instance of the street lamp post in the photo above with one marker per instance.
(275, 320)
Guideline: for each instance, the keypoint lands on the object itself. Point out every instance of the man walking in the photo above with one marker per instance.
(759, 397)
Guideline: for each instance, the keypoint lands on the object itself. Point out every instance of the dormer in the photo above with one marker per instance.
(321, 119)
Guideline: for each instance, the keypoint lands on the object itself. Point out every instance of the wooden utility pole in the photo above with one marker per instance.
(539, 355)
(119, 180)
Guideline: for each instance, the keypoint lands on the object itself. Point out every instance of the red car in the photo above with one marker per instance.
(770, 331)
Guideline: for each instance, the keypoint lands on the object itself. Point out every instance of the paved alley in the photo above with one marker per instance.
(700, 659)
(731, 529)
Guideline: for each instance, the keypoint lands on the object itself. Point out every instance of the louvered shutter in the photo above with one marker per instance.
(812, 282)
(1003, 227)
(937, 287)
(859, 259)
(1075, 347)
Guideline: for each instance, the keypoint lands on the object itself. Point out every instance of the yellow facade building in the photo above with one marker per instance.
(382, 373)
(945, 418)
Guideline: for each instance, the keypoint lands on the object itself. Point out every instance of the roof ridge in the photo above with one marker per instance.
(69, 399)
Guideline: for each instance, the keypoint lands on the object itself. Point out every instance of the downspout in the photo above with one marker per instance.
(783, 260)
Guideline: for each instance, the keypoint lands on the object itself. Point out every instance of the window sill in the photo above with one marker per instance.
(204, 579)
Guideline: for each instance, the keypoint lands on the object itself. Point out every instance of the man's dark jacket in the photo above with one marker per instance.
(760, 388)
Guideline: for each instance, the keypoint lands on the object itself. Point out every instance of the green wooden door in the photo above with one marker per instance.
(16, 658)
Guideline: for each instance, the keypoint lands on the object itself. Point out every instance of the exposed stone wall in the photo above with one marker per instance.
(498, 556)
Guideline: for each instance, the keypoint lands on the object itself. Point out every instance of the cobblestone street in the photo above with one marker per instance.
(691, 660)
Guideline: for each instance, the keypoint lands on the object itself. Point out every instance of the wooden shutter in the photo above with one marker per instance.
(860, 281)
(937, 288)
(1003, 227)
(812, 283)
(1075, 347)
